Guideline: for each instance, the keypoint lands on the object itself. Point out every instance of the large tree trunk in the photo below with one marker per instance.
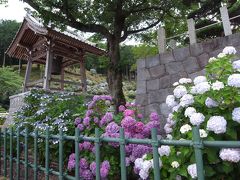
(114, 76)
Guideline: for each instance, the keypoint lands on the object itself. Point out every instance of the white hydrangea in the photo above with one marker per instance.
(146, 165)
(186, 100)
(196, 119)
(221, 55)
(138, 163)
(176, 84)
(189, 111)
(176, 108)
(143, 174)
(217, 85)
(210, 103)
(236, 64)
(229, 50)
(192, 170)
(185, 128)
(230, 154)
(202, 87)
(170, 101)
(185, 80)
(164, 150)
(169, 136)
(236, 114)
(217, 124)
(234, 80)
(212, 59)
(179, 91)
(203, 133)
(168, 128)
(175, 164)
(193, 90)
(199, 79)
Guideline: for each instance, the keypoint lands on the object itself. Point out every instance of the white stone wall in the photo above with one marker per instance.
(155, 75)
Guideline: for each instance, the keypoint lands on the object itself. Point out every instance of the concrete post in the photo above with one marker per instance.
(28, 72)
(225, 21)
(192, 31)
(161, 40)
(48, 67)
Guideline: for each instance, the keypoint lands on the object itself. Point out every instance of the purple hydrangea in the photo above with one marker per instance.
(77, 121)
(87, 145)
(140, 150)
(86, 174)
(89, 112)
(140, 116)
(121, 108)
(112, 128)
(71, 164)
(96, 120)
(104, 169)
(83, 163)
(80, 127)
(128, 123)
(93, 168)
(86, 121)
(154, 117)
(108, 117)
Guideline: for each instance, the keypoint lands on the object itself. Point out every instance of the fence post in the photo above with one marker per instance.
(47, 154)
(35, 154)
(18, 153)
(161, 40)
(225, 21)
(156, 157)
(191, 31)
(197, 144)
(97, 153)
(123, 155)
(77, 133)
(5, 153)
(11, 154)
(26, 153)
(60, 158)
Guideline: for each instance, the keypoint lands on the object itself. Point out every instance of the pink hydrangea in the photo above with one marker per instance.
(140, 116)
(128, 112)
(139, 127)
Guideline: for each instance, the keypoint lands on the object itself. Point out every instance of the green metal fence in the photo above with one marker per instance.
(14, 137)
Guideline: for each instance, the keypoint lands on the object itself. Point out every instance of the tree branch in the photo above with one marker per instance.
(70, 20)
(127, 33)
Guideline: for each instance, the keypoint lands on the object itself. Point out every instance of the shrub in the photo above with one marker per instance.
(212, 103)
(55, 111)
(100, 115)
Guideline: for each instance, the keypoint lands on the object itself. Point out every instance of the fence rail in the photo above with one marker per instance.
(8, 158)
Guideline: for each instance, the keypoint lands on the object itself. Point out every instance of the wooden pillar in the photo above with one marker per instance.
(225, 21)
(62, 78)
(48, 67)
(28, 72)
(161, 40)
(83, 75)
(191, 31)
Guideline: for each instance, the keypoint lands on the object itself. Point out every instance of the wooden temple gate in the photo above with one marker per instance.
(57, 50)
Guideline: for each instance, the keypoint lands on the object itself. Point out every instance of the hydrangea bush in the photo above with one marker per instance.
(212, 103)
(100, 115)
(54, 111)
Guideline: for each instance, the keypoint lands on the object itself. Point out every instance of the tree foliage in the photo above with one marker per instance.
(114, 20)
(8, 29)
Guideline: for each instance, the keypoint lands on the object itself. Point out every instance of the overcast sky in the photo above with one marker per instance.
(14, 10)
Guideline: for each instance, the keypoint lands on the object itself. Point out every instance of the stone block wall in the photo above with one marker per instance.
(16, 102)
(155, 75)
